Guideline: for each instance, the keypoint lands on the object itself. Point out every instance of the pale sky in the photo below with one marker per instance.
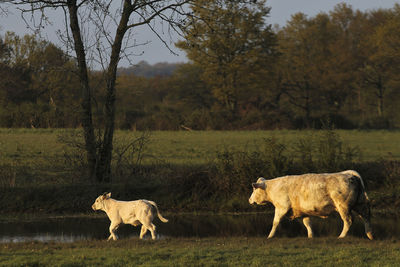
(155, 51)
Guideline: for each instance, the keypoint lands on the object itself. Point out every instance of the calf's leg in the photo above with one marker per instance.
(147, 222)
(143, 231)
(307, 224)
(152, 229)
(113, 228)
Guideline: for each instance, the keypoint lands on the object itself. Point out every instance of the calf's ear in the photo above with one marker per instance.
(106, 195)
(258, 185)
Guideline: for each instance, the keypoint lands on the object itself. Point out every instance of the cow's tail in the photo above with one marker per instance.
(361, 189)
(362, 205)
(158, 212)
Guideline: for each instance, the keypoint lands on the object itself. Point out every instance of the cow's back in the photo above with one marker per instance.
(316, 194)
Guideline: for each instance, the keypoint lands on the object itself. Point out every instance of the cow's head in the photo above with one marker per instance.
(99, 202)
(259, 194)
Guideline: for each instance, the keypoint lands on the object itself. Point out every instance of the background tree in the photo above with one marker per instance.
(38, 81)
(111, 27)
(300, 58)
(380, 71)
(339, 66)
(323, 60)
(230, 41)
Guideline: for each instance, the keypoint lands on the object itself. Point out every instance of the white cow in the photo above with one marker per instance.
(129, 212)
(315, 195)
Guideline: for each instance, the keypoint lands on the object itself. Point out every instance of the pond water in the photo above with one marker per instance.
(70, 229)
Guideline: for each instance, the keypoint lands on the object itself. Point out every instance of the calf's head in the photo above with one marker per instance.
(99, 202)
(259, 195)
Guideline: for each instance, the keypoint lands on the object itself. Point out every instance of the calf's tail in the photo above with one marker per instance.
(158, 212)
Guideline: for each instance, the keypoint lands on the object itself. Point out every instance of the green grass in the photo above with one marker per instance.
(231, 251)
(38, 157)
(199, 146)
(31, 146)
(36, 154)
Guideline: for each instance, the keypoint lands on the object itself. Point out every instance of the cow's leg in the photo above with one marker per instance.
(143, 231)
(279, 213)
(365, 214)
(113, 228)
(368, 228)
(345, 214)
(307, 224)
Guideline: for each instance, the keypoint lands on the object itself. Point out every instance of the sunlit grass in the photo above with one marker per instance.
(32, 147)
(39, 157)
(231, 251)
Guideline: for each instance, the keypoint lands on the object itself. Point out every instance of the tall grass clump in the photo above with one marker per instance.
(332, 153)
(391, 171)
(324, 151)
(129, 152)
(127, 161)
(73, 160)
(8, 174)
(321, 152)
(236, 169)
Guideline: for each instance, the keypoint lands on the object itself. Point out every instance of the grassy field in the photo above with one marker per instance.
(232, 251)
(34, 163)
(33, 147)
(39, 156)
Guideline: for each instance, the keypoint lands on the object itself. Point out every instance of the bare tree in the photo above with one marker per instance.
(101, 32)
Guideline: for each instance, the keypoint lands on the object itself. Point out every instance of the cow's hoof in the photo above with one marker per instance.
(370, 236)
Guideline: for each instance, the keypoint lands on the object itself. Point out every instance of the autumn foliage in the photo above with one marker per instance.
(336, 68)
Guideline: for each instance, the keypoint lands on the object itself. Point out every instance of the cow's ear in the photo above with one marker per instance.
(258, 185)
(108, 195)
(261, 180)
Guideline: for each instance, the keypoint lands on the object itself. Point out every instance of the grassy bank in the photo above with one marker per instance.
(232, 251)
(44, 170)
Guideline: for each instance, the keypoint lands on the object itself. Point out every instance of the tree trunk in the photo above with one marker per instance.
(86, 116)
(103, 171)
(381, 95)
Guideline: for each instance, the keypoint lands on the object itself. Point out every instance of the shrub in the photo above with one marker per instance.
(128, 155)
(332, 154)
(236, 170)
(391, 171)
(324, 152)
(8, 173)
(303, 150)
(276, 158)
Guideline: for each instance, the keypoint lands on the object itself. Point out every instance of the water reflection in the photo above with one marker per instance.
(40, 237)
(186, 225)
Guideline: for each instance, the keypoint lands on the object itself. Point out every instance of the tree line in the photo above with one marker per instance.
(339, 67)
